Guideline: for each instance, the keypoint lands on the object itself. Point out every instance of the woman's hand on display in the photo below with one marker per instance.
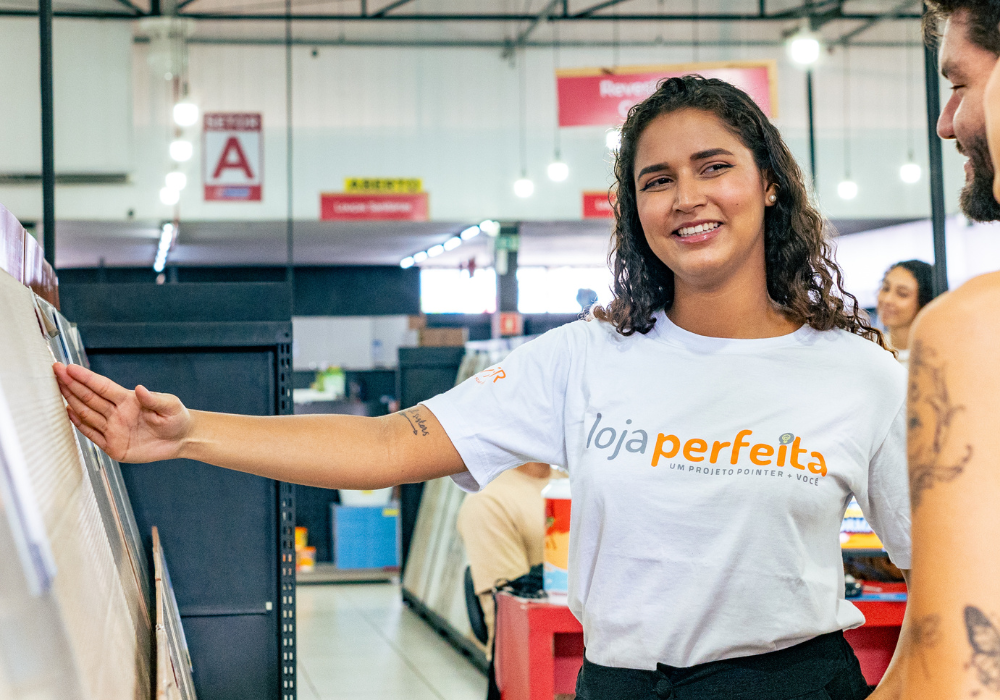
(131, 426)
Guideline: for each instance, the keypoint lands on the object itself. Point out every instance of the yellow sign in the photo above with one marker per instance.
(385, 185)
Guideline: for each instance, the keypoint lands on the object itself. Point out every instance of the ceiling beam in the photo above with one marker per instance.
(390, 7)
(895, 12)
(484, 18)
(598, 7)
(127, 3)
(521, 38)
(85, 14)
(492, 44)
(487, 18)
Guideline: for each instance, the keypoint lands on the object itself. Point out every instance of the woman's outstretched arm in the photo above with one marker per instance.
(330, 451)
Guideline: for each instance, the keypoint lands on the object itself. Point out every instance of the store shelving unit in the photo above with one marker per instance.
(221, 347)
(423, 373)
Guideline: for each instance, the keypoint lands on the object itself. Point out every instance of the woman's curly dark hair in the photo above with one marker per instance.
(802, 277)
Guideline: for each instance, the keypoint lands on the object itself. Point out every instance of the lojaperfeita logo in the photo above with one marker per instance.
(789, 451)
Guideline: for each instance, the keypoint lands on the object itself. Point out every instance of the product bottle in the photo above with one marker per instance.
(557, 510)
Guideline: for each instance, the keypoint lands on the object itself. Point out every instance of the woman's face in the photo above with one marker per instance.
(897, 299)
(700, 197)
(991, 102)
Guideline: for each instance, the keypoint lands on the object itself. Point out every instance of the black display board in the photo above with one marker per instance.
(230, 536)
(423, 373)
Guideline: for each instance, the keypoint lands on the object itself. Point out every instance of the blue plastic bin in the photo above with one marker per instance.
(365, 537)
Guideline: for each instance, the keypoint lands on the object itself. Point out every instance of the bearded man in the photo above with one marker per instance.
(952, 647)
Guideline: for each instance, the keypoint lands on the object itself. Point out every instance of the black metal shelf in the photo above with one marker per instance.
(231, 536)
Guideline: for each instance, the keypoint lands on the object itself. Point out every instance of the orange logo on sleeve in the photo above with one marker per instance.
(493, 373)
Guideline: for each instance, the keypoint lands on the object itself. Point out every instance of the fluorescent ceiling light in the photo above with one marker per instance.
(181, 150)
(185, 113)
(524, 187)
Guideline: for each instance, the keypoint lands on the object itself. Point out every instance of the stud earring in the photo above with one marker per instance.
(773, 198)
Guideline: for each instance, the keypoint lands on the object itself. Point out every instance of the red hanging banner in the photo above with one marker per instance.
(603, 96)
(597, 205)
(339, 206)
(232, 157)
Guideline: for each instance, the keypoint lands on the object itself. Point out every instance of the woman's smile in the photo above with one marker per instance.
(698, 231)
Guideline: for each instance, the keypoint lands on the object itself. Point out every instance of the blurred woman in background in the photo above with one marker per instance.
(907, 287)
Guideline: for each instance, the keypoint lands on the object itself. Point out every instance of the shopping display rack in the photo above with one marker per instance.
(230, 536)
(75, 593)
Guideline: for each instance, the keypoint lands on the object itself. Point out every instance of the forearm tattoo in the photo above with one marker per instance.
(985, 642)
(416, 420)
(925, 634)
(929, 425)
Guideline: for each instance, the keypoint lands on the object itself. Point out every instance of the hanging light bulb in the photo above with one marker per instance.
(524, 187)
(613, 140)
(181, 150)
(847, 189)
(804, 48)
(406, 262)
(490, 228)
(452, 243)
(470, 233)
(170, 196)
(419, 257)
(185, 113)
(910, 173)
(176, 180)
(558, 171)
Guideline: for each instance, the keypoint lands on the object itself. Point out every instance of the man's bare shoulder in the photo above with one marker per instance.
(968, 317)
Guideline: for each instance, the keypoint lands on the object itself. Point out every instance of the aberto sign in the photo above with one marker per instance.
(603, 96)
(339, 206)
(232, 157)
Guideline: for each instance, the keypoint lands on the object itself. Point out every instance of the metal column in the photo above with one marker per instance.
(937, 168)
(48, 149)
(812, 128)
(506, 245)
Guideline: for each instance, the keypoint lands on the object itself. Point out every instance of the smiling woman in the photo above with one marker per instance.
(715, 419)
(698, 157)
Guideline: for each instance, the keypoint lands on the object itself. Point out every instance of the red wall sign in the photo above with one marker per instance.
(596, 205)
(603, 96)
(340, 206)
(232, 157)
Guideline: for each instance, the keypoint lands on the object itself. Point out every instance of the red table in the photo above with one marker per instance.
(539, 646)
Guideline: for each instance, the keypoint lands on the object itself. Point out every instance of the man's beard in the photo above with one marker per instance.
(977, 201)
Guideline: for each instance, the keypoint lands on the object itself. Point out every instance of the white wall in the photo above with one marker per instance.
(972, 249)
(448, 115)
(350, 342)
(92, 85)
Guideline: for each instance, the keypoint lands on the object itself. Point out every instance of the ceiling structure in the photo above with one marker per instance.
(252, 243)
(503, 25)
(509, 24)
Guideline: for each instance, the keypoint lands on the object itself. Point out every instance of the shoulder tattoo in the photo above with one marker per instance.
(985, 642)
(929, 424)
(925, 634)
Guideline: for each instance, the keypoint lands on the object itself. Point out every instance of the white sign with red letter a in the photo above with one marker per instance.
(232, 157)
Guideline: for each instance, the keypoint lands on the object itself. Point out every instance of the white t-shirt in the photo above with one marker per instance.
(685, 548)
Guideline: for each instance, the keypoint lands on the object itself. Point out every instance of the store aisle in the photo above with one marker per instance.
(359, 642)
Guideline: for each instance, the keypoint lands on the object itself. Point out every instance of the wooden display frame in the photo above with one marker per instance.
(174, 679)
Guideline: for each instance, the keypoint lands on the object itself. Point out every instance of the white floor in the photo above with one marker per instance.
(359, 642)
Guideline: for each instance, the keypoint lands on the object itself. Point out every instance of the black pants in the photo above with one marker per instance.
(823, 668)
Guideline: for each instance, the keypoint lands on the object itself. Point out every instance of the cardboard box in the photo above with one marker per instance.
(443, 337)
